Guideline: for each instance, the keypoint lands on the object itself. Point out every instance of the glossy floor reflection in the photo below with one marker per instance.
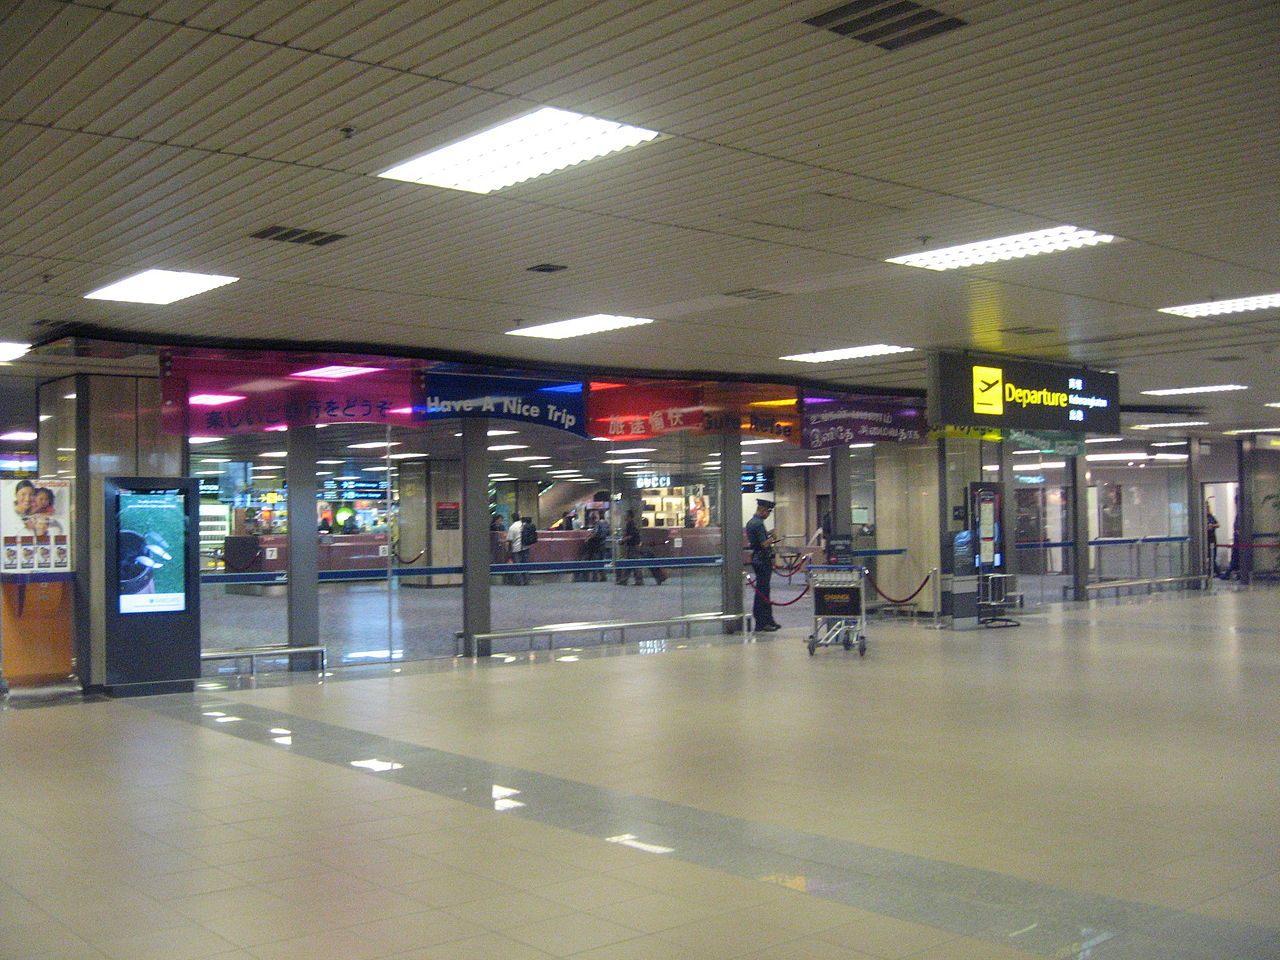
(1098, 782)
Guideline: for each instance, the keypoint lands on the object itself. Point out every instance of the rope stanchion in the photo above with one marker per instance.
(403, 562)
(906, 599)
(790, 570)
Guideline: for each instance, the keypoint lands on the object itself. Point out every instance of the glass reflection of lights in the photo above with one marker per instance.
(377, 766)
(635, 843)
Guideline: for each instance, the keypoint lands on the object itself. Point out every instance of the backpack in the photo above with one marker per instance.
(528, 534)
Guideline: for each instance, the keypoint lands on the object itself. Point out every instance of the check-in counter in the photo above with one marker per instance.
(267, 553)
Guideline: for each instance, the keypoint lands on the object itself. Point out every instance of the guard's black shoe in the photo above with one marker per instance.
(769, 627)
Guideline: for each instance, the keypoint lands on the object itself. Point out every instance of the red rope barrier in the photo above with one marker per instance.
(776, 603)
(904, 600)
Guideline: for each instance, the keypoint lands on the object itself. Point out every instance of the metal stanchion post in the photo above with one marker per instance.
(936, 577)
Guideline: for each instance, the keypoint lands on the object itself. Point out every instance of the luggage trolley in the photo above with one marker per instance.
(839, 607)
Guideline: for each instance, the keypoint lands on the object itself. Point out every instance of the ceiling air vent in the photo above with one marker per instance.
(317, 238)
(889, 24)
(546, 268)
(753, 293)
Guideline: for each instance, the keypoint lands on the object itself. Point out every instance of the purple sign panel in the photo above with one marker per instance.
(831, 423)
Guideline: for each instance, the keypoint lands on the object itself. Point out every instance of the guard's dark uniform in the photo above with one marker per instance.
(762, 564)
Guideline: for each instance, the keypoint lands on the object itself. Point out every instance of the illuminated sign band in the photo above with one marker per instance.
(1023, 394)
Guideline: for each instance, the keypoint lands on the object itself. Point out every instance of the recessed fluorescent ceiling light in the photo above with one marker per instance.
(528, 459)
(213, 399)
(1165, 426)
(159, 286)
(205, 439)
(635, 450)
(12, 351)
(761, 440)
(532, 145)
(578, 326)
(1228, 433)
(1003, 248)
(1169, 443)
(799, 463)
(1106, 440)
(1215, 307)
(848, 353)
(627, 460)
(18, 435)
(372, 444)
(1174, 391)
(405, 456)
(509, 446)
(1265, 405)
(273, 453)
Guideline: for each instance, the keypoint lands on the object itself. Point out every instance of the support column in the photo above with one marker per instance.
(303, 538)
(1197, 527)
(731, 524)
(841, 466)
(1079, 554)
(1008, 508)
(476, 554)
(1250, 465)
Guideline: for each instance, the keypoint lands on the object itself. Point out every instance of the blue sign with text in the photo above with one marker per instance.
(551, 403)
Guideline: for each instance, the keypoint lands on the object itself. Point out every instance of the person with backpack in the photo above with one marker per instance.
(633, 549)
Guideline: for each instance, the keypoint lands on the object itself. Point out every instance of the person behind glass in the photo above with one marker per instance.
(1211, 538)
(517, 548)
(761, 542)
(632, 549)
(597, 547)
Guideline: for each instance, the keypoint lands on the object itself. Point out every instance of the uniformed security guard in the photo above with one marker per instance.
(761, 543)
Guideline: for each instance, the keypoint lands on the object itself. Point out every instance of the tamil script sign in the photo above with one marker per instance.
(833, 423)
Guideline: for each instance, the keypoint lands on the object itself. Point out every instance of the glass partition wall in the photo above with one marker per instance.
(626, 532)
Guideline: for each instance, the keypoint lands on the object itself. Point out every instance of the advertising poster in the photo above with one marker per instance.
(35, 525)
(151, 538)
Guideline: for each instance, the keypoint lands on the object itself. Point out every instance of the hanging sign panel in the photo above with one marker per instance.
(983, 390)
(641, 411)
(833, 423)
(551, 403)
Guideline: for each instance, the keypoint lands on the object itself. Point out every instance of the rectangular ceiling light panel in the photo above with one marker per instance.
(159, 286)
(1216, 307)
(579, 326)
(1004, 248)
(530, 146)
(848, 353)
(1176, 391)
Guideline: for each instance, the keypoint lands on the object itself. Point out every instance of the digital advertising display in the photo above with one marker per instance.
(1024, 394)
(151, 531)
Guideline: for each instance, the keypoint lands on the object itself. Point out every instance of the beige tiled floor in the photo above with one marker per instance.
(1122, 750)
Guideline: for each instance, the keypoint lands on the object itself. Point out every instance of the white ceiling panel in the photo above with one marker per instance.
(165, 132)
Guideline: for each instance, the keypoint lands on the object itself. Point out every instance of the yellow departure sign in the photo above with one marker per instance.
(988, 390)
(991, 390)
